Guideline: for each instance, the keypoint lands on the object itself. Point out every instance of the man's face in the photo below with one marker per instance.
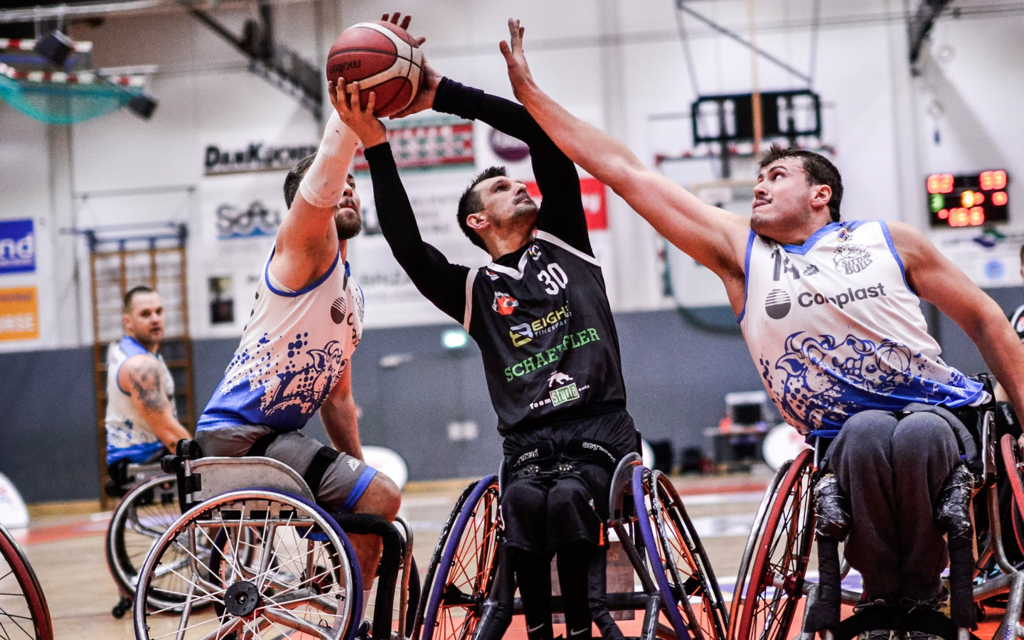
(145, 320)
(506, 203)
(782, 198)
(348, 218)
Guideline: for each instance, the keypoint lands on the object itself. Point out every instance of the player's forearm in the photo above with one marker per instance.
(342, 427)
(324, 182)
(166, 427)
(600, 154)
(1002, 352)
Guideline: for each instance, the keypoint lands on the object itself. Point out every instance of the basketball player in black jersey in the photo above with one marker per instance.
(539, 312)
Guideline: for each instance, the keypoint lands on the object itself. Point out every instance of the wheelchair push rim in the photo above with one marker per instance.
(765, 599)
(465, 573)
(135, 527)
(302, 577)
(1012, 463)
(23, 610)
(690, 595)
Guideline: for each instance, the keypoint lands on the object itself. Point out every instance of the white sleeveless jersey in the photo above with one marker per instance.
(834, 329)
(294, 349)
(128, 435)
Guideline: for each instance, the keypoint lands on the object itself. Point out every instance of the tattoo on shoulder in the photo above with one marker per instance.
(145, 379)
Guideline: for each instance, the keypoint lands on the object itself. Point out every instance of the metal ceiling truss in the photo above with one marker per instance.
(920, 24)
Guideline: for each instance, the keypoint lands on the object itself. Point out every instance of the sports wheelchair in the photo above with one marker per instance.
(772, 577)
(148, 506)
(470, 583)
(253, 555)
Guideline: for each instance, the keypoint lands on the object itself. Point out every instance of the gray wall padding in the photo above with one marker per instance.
(676, 379)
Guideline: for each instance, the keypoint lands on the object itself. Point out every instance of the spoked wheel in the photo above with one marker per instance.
(23, 610)
(690, 595)
(276, 565)
(1013, 464)
(142, 516)
(464, 574)
(435, 558)
(765, 600)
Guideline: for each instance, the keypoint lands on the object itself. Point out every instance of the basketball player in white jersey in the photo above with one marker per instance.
(295, 355)
(830, 312)
(141, 420)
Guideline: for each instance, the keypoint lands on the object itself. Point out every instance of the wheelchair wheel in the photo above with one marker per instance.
(23, 610)
(766, 596)
(462, 577)
(1013, 465)
(276, 565)
(692, 601)
(142, 515)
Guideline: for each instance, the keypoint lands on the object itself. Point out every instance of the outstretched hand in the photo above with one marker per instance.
(518, 69)
(424, 98)
(361, 121)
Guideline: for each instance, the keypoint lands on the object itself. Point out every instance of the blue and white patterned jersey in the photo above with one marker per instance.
(294, 349)
(128, 435)
(835, 329)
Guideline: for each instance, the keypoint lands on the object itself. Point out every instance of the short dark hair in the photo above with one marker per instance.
(819, 171)
(470, 202)
(294, 177)
(127, 306)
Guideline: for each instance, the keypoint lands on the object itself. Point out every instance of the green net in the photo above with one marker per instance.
(59, 103)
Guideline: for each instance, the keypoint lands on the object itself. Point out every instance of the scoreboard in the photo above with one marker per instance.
(967, 200)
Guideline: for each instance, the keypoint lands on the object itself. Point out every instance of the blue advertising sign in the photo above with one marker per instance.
(17, 246)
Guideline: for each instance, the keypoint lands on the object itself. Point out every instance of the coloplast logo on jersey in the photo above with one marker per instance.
(777, 304)
(504, 304)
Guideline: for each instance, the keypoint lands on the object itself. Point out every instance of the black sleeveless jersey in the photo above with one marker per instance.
(546, 332)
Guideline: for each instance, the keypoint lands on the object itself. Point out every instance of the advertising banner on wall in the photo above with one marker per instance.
(17, 246)
(989, 257)
(19, 314)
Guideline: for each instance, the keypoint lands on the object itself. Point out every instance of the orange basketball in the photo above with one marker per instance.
(384, 58)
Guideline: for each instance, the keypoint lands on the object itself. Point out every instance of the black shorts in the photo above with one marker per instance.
(564, 500)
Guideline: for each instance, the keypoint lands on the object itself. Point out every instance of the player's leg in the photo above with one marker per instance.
(523, 509)
(861, 459)
(924, 452)
(573, 576)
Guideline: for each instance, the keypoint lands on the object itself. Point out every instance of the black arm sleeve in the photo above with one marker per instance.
(442, 282)
(561, 212)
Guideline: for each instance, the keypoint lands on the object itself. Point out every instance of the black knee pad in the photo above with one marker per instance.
(953, 506)
(831, 508)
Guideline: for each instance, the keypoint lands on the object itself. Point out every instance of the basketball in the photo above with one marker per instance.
(384, 58)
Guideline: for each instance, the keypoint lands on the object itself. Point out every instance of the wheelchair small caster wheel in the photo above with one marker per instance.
(121, 608)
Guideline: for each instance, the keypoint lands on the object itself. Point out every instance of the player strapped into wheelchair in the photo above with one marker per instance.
(471, 579)
(771, 579)
(253, 543)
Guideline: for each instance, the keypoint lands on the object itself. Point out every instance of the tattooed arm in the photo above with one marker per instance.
(142, 376)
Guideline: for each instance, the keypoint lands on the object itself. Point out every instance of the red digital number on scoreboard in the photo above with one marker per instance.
(967, 200)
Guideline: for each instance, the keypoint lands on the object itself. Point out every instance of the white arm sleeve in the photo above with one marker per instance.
(324, 182)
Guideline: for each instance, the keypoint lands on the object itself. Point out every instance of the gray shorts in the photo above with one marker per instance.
(342, 485)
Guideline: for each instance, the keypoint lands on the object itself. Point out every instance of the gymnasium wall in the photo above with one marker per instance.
(617, 63)
(48, 438)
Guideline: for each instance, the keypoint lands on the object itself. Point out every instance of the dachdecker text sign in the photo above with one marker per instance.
(17, 246)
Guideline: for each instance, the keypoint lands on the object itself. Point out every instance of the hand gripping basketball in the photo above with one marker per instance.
(383, 58)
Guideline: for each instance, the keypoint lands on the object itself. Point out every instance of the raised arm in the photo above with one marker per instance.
(142, 376)
(307, 242)
(714, 237)
(936, 279)
(438, 280)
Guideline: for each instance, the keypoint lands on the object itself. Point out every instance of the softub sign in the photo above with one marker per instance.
(17, 246)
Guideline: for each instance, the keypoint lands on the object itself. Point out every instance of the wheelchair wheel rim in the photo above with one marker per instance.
(789, 523)
(467, 567)
(1012, 464)
(673, 609)
(133, 530)
(435, 557)
(304, 577)
(23, 609)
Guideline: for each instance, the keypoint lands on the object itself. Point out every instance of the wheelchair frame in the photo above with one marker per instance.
(767, 593)
(249, 510)
(650, 549)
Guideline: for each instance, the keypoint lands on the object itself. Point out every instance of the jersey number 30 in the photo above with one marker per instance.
(553, 278)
